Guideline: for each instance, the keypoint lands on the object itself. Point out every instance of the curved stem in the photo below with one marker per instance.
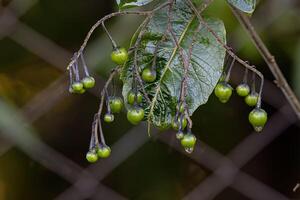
(114, 44)
(99, 22)
(271, 62)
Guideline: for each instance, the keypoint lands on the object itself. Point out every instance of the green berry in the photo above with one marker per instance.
(77, 87)
(223, 91)
(135, 115)
(251, 99)
(91, 157)
(109, 117)
(88, 82)
(148, 75)
(119, 56)
(104, 151)
(175, 125)
(81, 91)
(181, 108)
(116, 104)
(243, 89)
(132, 97)
(258, 118)
(188, 141)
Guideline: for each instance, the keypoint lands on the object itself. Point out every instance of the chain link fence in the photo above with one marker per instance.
(86, 183)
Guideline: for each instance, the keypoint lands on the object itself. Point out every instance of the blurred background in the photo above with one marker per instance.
(45, 131)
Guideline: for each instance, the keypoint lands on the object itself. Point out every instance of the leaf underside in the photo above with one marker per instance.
(247, 6)
(123, 4)
(206, 64)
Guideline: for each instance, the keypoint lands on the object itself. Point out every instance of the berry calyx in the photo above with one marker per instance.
(179, 135)
(258, 118)
(252, 99)
(109, 117)
(223, 91)
(188, 141)
(135, 115)
(148, 75)
(88, 82)
(77, 87)
(116, 104)
(104, 151)
(183, 122)
(243, 89)
(132, 97)
(119, 56)
(91, 156)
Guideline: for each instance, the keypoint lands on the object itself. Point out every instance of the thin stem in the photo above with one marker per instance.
(227, 78)
(270, 60)
(85, 68)
(99, 22)
(114, 44)
(245, 78)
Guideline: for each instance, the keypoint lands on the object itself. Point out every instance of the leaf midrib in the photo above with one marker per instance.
(154, 100)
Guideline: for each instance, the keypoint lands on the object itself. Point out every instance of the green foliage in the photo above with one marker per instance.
(247, 6)
(207, 59)
(123, 4)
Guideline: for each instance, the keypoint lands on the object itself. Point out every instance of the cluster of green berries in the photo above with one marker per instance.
(77, 85)
(257, 117)
(102, 151)
(179, 123)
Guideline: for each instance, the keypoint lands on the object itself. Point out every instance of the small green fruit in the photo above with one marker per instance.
(258, 118)
(77, 87)
(175, 125)
(188, 141)
(119, 56)
(251, 99)
(243, 89)
(181, 108)
(116, 104)
(103, 151)
(132, 97)
(88, 82)
(91, 157)
(223, 91)
(148, 75)
(135, 115)
(109, 117)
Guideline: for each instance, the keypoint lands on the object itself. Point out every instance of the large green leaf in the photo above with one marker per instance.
(247, 6)
(123, 4)
(205, 69)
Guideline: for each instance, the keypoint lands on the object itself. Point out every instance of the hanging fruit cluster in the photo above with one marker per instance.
(167, 74)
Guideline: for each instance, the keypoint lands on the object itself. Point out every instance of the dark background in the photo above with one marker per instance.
(34, 52)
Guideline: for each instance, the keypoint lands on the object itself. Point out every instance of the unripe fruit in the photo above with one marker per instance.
(88, 82)
(223, 91)
(77, 87)
(135, 115)
(175, 125)
(132, 97)
(181, 108)
(116, 104)
(148, 75)
(91, 157)
(104, 151)
(81, 91)
(243, 89)
(188, 141)
(109, 117)
(251, 99)
(119, 56)
(258, 118)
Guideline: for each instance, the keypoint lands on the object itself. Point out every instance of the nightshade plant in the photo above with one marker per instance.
(175, 61)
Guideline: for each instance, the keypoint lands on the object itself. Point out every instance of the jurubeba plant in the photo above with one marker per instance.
(176, 60)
